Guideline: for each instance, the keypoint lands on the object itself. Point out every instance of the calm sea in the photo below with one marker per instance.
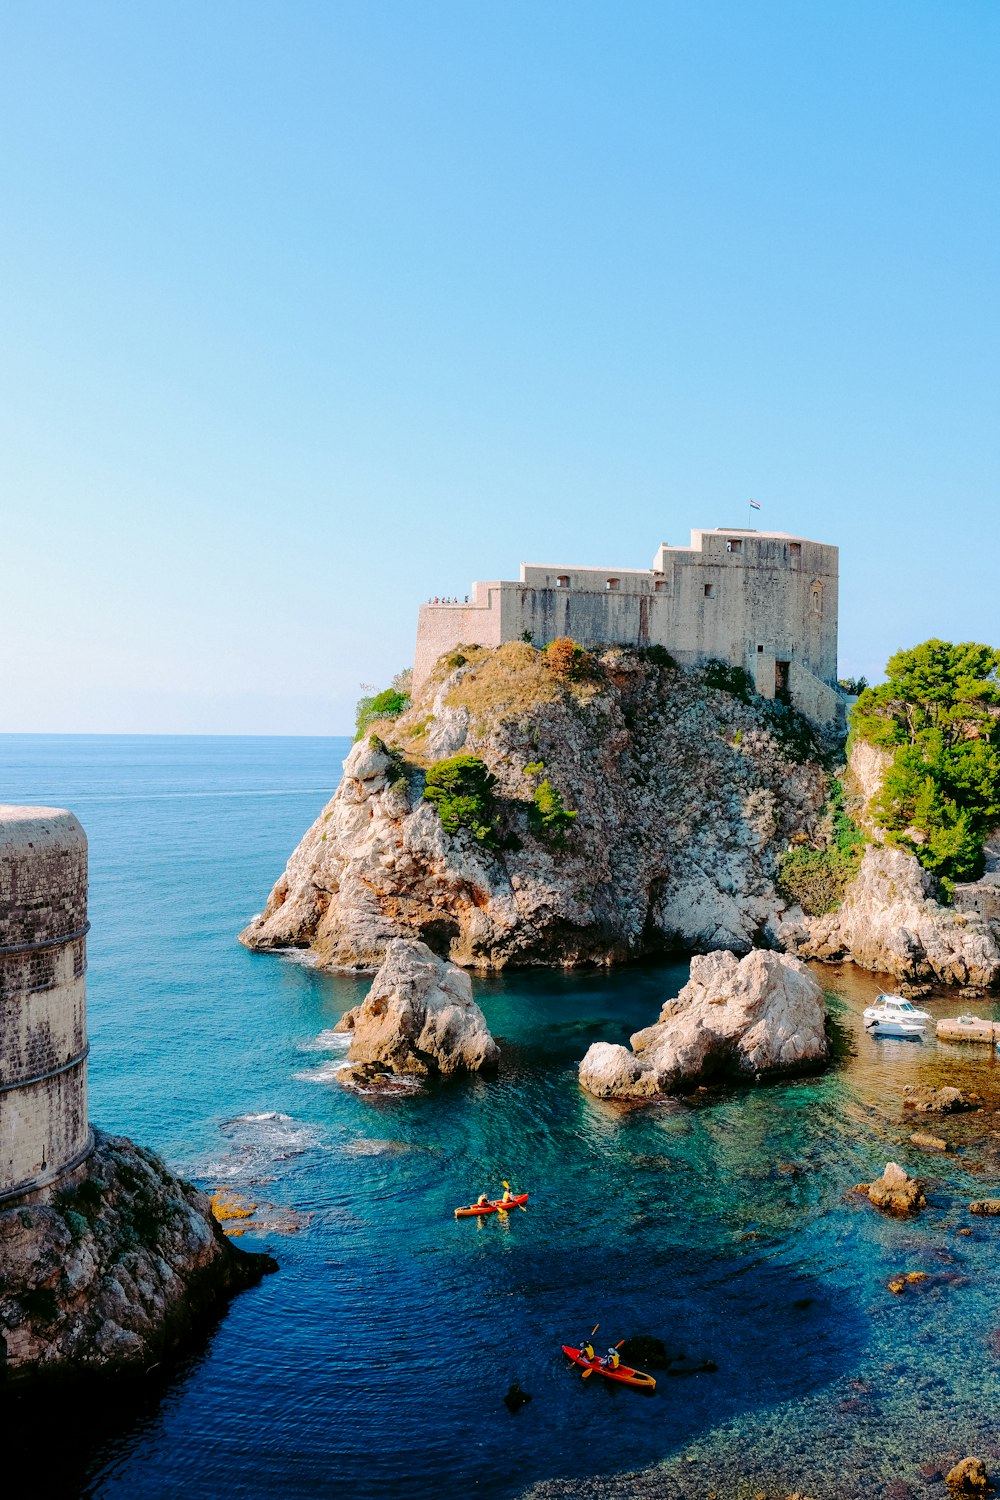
(377, 1358)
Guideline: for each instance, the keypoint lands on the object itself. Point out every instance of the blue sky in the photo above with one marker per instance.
(310, 311)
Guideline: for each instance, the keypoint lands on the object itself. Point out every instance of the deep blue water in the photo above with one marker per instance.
(378, 1356)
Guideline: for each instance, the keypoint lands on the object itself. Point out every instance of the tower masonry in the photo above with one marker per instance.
(44, 1132)
(761, 600)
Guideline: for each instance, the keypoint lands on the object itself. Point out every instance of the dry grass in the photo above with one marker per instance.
(508, 680)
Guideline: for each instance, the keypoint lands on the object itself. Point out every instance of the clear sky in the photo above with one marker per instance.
(310, 311)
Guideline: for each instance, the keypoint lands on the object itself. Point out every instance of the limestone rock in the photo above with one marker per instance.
(684, 795)
(115, 1269)
(419, 1017)
(929, 1142)
(896, 1192)
(968, 1477)
(890, 922)
(762, 1014)
(942, 1101)
(986, 1208)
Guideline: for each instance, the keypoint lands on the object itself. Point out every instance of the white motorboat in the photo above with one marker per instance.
(885, 1008)
(908, 1031)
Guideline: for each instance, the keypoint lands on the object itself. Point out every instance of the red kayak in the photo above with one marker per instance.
(623, 1373)
(495, 1205)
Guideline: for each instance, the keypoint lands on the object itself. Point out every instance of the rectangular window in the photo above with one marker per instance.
(735, 544)
(612, 585)
(710, 591)
(794, 548)
(562, 582)
(660, 586)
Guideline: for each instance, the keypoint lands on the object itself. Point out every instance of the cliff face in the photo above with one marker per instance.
(684, 796)
(113, 1271)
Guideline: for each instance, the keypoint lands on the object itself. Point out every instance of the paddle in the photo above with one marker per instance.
(520, 1205)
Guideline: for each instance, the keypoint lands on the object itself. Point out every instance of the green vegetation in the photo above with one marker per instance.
(727, 679)
(657, 656)
(534, 768)
(461, 789)
(817, 878)
(548, 815)
(853, 686)
(792, 730)
(938, 712)
(388, 704)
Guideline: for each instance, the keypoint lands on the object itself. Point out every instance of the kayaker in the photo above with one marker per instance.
(506, 1196)
(587, 1349)
(612, 1359)
(482, 1200)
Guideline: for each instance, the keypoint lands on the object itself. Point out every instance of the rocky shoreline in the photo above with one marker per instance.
(683, 796)
(115, 1271)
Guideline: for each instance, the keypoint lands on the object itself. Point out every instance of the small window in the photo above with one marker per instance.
(660, 586)
(794, 548)
(735, 544)
(760, 648)
(710, 591)
(562, 582)
(612, 585)
(817, 601)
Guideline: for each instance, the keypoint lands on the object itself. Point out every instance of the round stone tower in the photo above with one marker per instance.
(44, 1132)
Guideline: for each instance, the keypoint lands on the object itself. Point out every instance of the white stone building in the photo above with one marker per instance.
(762, 600)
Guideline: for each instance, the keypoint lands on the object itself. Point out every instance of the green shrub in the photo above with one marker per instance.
(534, 768)
(657, 656)
(853, 686)
(386, 705)
(461, 789)
(729, 679)
(548, 815)
(792, 730)
(939, 713)
(817, 878)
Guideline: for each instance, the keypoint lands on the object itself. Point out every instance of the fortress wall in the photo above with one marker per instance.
(762, 601)
(43, 1042)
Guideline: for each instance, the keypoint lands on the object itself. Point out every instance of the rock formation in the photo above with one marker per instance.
(419, 1017)
(113, 1270)
(895, 1192)
(943, 1101)
(763, 1014)
(890, 921)
(968, 1477)
(684, 796)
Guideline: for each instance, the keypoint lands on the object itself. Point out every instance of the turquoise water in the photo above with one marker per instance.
(378, 1356)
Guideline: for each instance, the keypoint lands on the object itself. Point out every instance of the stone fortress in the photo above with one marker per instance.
(761, 600)
(44, 1134)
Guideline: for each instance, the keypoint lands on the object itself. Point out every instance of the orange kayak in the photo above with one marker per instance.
(624, 1374)
(495, 1205)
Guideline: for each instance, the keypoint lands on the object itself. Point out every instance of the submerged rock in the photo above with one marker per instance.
(943, 1101)
(516, 1398)
(986, 1208)
(113, 1271)
(895, 1192)
(968, 1477)
(419, 1017)
(760, 1015)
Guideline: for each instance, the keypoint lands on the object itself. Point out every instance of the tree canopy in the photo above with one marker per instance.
(939, 713)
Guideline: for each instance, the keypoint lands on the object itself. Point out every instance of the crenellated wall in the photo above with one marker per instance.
(44, 1132)
(763, 601)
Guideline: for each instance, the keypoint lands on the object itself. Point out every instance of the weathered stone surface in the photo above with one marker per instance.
(968, 1477)
(419, 1017)
(113, 1271)
(890, 922)
(929, 1142)
(942, 1101)
(735, 1017)
(684, 798)
(895, 1192)
(986, 1208)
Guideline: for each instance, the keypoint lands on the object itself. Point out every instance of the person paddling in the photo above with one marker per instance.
(482, 1200)
(612, 1359)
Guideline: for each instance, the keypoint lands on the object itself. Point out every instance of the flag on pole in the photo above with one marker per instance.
(754, 505)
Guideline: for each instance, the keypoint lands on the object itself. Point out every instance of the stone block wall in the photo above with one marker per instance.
(43, 1027)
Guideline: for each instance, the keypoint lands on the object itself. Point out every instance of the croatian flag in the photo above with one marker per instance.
(754, 505)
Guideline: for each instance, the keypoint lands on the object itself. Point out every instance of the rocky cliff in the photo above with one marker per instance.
(685, 793)
(114, 1270)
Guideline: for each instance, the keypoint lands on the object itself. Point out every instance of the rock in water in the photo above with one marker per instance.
(114, 1270)
(516, 1398)
(763, 1014)
(943, 1101)
(419, 1017)
(968, 1477)
(895, 1192)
